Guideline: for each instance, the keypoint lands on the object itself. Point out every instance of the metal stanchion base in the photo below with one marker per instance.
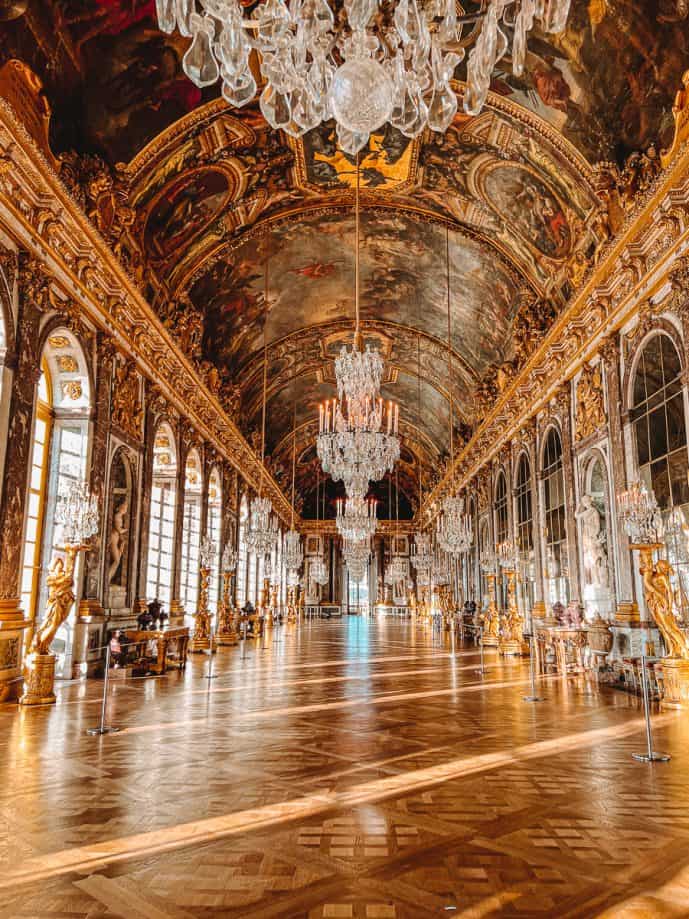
(651, 757)
(533, 698)
(105, 730)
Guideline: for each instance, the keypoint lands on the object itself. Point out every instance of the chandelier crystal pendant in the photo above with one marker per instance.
(365, 65)
(229, 558)
(356, 518)
(440, 573)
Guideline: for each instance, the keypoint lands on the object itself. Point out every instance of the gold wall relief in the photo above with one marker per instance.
(71, 389)
(590, 405)
(127, 410)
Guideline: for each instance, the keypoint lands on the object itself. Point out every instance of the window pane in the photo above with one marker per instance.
(678, 477)
(671, 363)
(657, 433)
(661, 483)
(642, 448)
(653, 366)
(676, 432)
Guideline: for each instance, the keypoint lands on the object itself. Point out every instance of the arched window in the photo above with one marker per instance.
(524, 528)
(58, 458)
(524, 507)
(657, 416)
(501, 516)
(554, 504)
(484, 553)
(242, 552)
(161, 538)
(191, 532)
(214, 530)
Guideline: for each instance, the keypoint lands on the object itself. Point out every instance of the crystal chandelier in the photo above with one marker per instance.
(262, 534)
(365, 65)
(440, 574)
(508, 555)
(77, 514)
(229, 558)
(639, 512)
(358, 433)
(397, 570)
(454, 531)
(356, 556)
(421, 553)
(293, 553)
(356, 518)
(206, 552)
(489, 562)
(318, 570)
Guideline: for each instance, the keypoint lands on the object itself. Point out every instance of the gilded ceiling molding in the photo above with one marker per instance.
(385, 528)
(634, 267)
(44, 220)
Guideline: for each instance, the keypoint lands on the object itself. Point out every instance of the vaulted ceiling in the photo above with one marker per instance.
(244, 238)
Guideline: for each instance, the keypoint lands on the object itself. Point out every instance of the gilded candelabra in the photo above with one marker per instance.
(77, 515)
(201, 639)
(227, 626)
(638, 510)
(512, 637)
(490, 618)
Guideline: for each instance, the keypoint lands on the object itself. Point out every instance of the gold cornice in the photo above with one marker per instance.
(44, 219)
(634, 267)
(384, 527)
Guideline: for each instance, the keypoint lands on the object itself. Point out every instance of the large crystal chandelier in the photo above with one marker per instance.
(365, 65)
(454, 531)
(440, 568)
(356, 556)
(293, 552)
(318, 570)
(421, 552)
(262, 534)
(76, 514)
(397, 570)
(358, 433)
(638, 510)
(356, 518)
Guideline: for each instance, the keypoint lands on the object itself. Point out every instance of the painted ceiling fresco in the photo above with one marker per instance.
(311, 281)
(219, 199)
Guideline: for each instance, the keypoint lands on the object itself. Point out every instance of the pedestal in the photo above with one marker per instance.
(490, 641)
(512, 646)
(39, 676)
(676, 682)
(627, 612)
(12, 628)
(176, 613)
(227, 639)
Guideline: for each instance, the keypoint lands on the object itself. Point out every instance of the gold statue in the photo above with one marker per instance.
(659, 599)
(201, 639)
(60, 599)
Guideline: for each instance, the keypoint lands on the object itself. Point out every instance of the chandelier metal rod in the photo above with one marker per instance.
(294, 442)
(356, 258)
(418, 393)
(265, 371)
(449, 356)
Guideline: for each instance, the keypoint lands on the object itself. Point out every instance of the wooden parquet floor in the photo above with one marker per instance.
(343, 770)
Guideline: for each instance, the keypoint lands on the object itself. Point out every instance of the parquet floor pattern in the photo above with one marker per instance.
(359, 769)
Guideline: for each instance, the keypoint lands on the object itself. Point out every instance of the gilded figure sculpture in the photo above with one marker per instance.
(60, 582)
(659, 599)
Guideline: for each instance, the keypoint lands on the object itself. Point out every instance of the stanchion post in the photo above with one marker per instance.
(651, 756)
(209, 668)
(534, 697)
(103, 728)
(481, 669)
